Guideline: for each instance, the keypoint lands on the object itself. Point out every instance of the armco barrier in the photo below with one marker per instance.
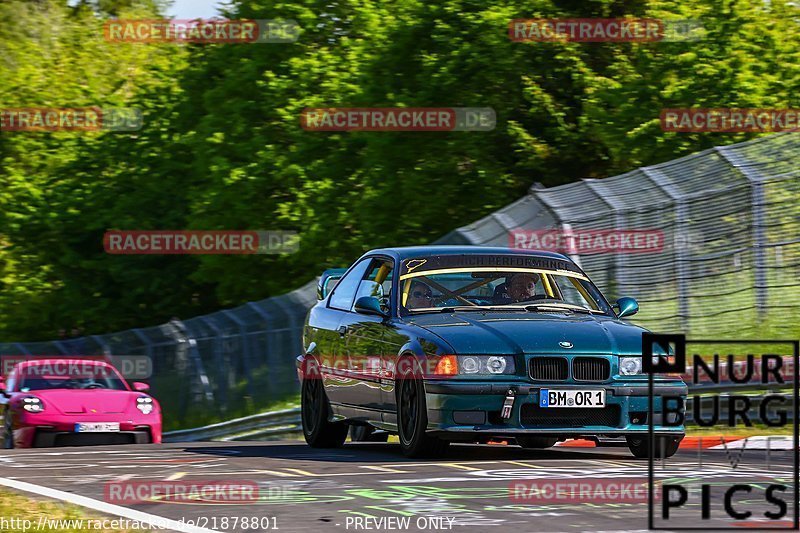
(262, 425)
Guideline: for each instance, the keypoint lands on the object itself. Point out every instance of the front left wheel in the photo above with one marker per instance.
(318, 431)
(412, 420)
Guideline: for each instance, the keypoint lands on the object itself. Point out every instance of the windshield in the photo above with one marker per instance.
(44, 377)
(544, 286)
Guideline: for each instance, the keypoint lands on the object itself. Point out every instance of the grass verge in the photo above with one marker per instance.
(50, 516)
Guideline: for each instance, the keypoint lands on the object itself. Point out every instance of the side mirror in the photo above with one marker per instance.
(2, 386)
(369, 305)
(627, 307)
(141, 387)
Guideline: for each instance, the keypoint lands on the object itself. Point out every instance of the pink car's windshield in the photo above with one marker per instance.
(70, 376)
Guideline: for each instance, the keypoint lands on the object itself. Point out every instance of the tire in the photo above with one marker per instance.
(537, 443)
(8, 434)
(412, 419)
(367, 434)
(318, 431)
(664, 446)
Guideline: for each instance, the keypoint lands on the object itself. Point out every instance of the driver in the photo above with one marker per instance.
(517, 288)
(420, 295)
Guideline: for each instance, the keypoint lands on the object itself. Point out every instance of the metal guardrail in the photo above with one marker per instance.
(260, 426)
(287, 421)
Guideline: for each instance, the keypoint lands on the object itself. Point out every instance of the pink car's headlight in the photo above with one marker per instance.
(32, 404)
(145, 405)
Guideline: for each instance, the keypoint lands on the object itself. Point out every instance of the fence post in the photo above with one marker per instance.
(271, 346)
(149, 351)
(178, 335)
(759, 240)
(658, 177)
(222, 387)
(194, 354)
(248, 363)
(565, 226)
(600, 190)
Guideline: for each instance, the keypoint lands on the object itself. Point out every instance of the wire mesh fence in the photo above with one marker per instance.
(728, 268)
(730, 221)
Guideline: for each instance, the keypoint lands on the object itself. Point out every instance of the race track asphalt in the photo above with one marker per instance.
(372, 487)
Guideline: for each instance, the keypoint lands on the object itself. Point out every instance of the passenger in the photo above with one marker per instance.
(419, 296)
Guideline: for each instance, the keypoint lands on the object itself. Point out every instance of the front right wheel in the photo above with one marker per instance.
(412, 420)
(318, 431)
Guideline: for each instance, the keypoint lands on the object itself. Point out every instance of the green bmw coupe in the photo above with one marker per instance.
(441, 344)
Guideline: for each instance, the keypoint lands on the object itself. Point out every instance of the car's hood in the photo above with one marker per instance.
(75, 402)
(532, 333)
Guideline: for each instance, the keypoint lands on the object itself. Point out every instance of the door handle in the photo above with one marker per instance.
(342, 331)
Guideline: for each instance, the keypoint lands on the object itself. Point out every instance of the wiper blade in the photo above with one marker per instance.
(556, 307)
(447, 309)
(454, 308)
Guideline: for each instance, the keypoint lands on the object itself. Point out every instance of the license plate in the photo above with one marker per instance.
(572, 398)
(97, 427)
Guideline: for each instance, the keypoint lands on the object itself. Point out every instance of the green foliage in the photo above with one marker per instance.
(222, 146)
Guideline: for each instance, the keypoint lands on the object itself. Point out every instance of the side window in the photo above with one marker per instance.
(377, 282)
(571, 292)
(344, 294)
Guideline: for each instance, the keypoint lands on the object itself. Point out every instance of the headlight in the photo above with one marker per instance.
(481, 364)
(496, 365)
(629, 366)
(32, 404)
(145, 405)
(469, 365)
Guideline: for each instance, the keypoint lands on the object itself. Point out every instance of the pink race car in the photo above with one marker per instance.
(75, 402)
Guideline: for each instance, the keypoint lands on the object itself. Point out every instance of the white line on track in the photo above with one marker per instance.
(152, 520)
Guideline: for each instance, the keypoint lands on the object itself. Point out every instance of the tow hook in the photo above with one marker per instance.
(508, 404)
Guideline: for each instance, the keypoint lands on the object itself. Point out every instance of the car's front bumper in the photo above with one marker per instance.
(474, 407)
(46, 430)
